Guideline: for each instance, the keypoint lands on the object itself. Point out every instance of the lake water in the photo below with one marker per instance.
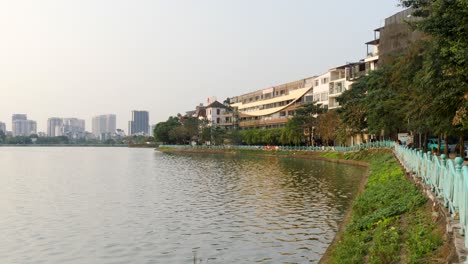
(119, 205)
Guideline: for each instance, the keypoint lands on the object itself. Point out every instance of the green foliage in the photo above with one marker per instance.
(192, 127)
(420, 241)
(261, 136)
(386, 244)
(53, 140)
(426, 88)
(162, 130)
(351, 249)
(376, 231)
(18, 140)
(292, 133)
(327, 125)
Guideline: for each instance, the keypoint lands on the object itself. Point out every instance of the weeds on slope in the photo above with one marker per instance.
(388, 222)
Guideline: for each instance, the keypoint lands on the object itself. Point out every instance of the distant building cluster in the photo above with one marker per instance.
(72, 128)
(103, 127)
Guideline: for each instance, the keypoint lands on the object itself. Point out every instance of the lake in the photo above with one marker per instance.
(125, 205)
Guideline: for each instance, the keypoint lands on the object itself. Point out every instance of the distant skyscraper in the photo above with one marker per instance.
(24, 127)
(53, 126)
(73, 128)
(3, 127)
(139, 123)
(74, 124)
(70, 127)
(104, 124)
(21, 126)
(15, 117)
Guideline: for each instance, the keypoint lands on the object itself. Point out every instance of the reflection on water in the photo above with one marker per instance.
(116, 205)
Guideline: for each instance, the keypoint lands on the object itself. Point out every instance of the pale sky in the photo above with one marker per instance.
(80, 58)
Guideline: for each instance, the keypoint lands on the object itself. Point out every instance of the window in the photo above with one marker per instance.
(316, 97)
(323, 96)
(316, 82)
(283, 113)
(325, 80)
(218, 111)
(217, 120)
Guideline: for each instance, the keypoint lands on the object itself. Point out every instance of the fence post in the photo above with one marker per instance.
(441, 173)
(459, 193)
(464, 173)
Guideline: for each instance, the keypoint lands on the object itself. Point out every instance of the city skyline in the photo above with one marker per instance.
(156, 56)
(53, 123)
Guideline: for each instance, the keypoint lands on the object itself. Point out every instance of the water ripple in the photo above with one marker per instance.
(106, 205)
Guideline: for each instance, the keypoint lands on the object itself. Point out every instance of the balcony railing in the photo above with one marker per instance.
(336, 90)
(275, 121)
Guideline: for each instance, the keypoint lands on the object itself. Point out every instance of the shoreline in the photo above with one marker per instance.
(296, 155)
(401, 221)
(267, 153)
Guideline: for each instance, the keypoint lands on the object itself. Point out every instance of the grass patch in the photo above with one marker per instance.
(376, 232)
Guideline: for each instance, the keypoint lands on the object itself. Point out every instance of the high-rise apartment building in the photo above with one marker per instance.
(54, 125)
(15, 117)
(73, 124)
(104, 124)
(139, 125)
(3, 127)
(70, 127)
(21, 126)
(24, 127)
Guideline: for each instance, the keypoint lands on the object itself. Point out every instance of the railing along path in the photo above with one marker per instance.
(448, 179)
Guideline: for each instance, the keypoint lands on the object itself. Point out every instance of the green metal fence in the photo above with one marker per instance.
(448, 179)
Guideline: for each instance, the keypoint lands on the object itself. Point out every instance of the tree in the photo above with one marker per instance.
(305, 119)
(445, 69)
(179, 135)
(292, 133)
(162, 130)
(328, 124)
(192, 127)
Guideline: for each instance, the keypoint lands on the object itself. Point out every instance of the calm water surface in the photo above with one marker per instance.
(119, 205)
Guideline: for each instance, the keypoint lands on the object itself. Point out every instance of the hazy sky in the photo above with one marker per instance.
(80, 58)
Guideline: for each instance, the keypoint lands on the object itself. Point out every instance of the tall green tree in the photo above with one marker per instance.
(162, 130)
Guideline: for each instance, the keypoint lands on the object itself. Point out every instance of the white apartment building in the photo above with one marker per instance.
(24, 127)
(53, 126)
(272, 107)
(330, 85)
(104, 124)
(70, 127)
